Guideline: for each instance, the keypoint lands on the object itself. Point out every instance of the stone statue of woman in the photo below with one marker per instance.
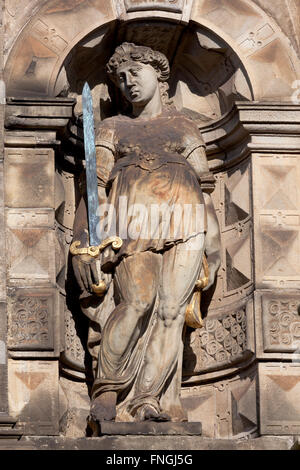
(153, 161)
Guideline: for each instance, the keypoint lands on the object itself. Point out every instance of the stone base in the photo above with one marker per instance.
(8, 429)
(151, 428)
(113, 444)
(146, 428)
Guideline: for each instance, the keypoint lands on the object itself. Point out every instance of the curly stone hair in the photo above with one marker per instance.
(129, 51)
(145, 55)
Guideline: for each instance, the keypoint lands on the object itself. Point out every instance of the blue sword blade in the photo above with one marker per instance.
(90, 161)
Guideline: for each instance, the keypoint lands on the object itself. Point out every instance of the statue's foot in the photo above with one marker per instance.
(151, 414)
(103, 407)
(177, 414)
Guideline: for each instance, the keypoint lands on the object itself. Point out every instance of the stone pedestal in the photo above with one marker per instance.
(147, 428)
(178, 444)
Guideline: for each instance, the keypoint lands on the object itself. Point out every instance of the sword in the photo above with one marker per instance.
(96, 246)
(90, 164)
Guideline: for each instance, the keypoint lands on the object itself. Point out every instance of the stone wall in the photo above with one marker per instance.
(286, 13)
(234, 69)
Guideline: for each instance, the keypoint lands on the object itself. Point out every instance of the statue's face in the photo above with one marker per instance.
(138, 82)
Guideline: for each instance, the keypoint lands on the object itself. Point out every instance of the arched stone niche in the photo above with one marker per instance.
(35, 58)
(207, 76)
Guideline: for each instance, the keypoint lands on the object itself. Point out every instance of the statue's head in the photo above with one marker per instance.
(138, 71)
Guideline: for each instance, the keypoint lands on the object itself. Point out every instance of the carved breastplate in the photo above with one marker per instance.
(148, 145)
(147, 161)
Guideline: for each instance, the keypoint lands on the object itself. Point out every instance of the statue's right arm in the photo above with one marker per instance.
(84, 266)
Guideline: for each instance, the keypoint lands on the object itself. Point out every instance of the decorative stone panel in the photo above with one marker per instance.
(279, 395)
(236, 230)
(32, 322)
(225, 339)
(29, 178)
(33, 396)
(24, 218)
(259, 39)
(281, 323)
(30, 256)
(232, 200)
(276, 198)
(278, 324)
(55, 27)
(226, 408)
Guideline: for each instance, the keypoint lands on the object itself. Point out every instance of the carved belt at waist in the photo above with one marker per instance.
(147, 161)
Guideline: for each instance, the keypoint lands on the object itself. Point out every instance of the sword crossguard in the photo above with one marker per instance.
(94, 251)
(116, 243)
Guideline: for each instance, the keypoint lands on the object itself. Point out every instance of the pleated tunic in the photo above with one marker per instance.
(153, 191)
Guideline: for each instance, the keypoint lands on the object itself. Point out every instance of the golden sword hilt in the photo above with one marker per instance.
(116, 243)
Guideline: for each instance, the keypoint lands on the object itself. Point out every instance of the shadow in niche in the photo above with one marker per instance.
(106, 109)
(68, 283)
(81, 322)
(83, 328)
(206, 299)
(86, 63)
(207, 76)
(189, 360)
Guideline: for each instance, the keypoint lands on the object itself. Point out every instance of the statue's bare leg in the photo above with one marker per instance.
(180, 269)
(136, 281)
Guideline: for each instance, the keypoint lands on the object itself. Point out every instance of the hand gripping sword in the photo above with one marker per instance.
(96, 246)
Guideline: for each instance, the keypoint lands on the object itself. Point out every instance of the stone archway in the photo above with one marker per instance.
(36, 57)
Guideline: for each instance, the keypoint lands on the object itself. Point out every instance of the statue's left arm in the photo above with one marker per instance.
(196, 156)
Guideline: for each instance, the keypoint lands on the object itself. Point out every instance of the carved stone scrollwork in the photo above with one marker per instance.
(73, 345)
(73, 356)
(222, 342)
(281, 323)
(30, 321)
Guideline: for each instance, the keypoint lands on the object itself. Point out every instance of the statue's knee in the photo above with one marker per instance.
(169, 312)
(141, 307)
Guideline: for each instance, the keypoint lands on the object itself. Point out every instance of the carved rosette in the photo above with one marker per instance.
(281, 323)
(284, 324)
(221, 343)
